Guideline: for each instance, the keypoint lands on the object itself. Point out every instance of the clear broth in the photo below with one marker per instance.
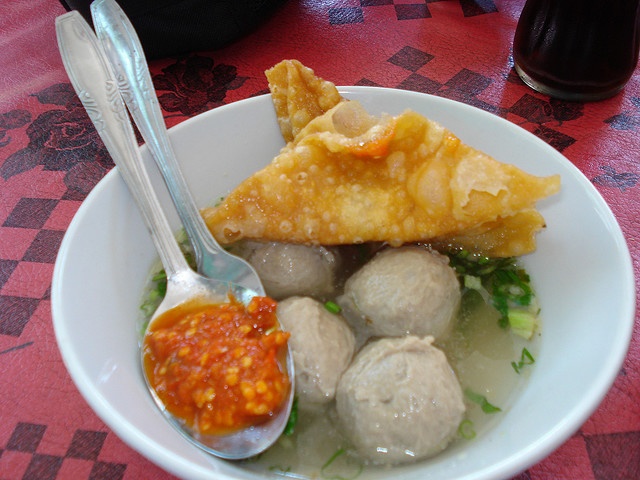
(479, 351)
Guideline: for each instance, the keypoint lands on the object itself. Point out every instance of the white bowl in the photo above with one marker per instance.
(581, 269)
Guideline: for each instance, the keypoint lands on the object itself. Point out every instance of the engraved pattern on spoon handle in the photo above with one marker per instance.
(93, 79)
(94, 83)
(126, 54)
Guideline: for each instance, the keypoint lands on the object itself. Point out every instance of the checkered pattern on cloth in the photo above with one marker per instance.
(51, 158)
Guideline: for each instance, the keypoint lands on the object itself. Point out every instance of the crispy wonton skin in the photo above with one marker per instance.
(350, 178)
(299, 96)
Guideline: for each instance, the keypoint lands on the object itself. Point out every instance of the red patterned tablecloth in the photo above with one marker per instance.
(51, 157)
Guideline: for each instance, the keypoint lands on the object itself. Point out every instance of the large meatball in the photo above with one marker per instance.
(403, 291)
(322, 345)
(400, 401)
(290, 269)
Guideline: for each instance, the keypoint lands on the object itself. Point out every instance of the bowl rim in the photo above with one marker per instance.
(178, 465)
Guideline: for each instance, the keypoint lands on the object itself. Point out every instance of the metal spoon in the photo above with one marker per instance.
(124, 50)
(95, 85)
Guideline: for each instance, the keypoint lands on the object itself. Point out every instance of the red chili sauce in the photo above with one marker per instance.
(217, 366)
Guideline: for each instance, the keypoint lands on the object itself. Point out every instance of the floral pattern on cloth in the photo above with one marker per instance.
(51, 157)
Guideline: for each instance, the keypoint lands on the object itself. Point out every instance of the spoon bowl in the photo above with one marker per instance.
(185, 286)
(93, 80)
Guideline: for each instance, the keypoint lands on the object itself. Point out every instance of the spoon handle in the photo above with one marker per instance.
(94, 82)
(124, 50)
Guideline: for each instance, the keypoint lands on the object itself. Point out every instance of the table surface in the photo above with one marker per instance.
(51, 157)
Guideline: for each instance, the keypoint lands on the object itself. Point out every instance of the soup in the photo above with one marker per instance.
(491, 364)
(489, 360)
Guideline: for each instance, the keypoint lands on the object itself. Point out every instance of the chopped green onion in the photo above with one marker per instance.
(333, 307)
(522, 322)
(293, 419)
(482, 401)
(466, 430)
(525, 359)
(279, 469)
(503, 284)
(483, 260)
(337, 453)
(332, 459)
(159, 279)
(155, 295)
(159, 276)
(472, 282)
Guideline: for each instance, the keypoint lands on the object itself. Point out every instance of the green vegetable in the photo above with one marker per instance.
(330, 476)
(522, 322)
(293, 419)
(472, 282)
(482, 401)
(525, 359)
(503, 284)
(465, 430)
(155, 295)
(279, 469)
(159, 280)
(509, 287)
(333, 307)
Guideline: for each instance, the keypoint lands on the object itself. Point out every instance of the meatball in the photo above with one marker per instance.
(290, 269)
(403, 291)
(322, 345)
(400, 401)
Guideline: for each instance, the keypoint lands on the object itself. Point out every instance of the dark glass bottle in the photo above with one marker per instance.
(582, 50)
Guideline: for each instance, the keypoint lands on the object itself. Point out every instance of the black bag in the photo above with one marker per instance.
(172, 27)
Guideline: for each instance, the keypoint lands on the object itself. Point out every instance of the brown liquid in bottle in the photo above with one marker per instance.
(577, 49)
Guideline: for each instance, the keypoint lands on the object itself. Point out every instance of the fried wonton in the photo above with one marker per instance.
(299, 96)
(349, 178)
